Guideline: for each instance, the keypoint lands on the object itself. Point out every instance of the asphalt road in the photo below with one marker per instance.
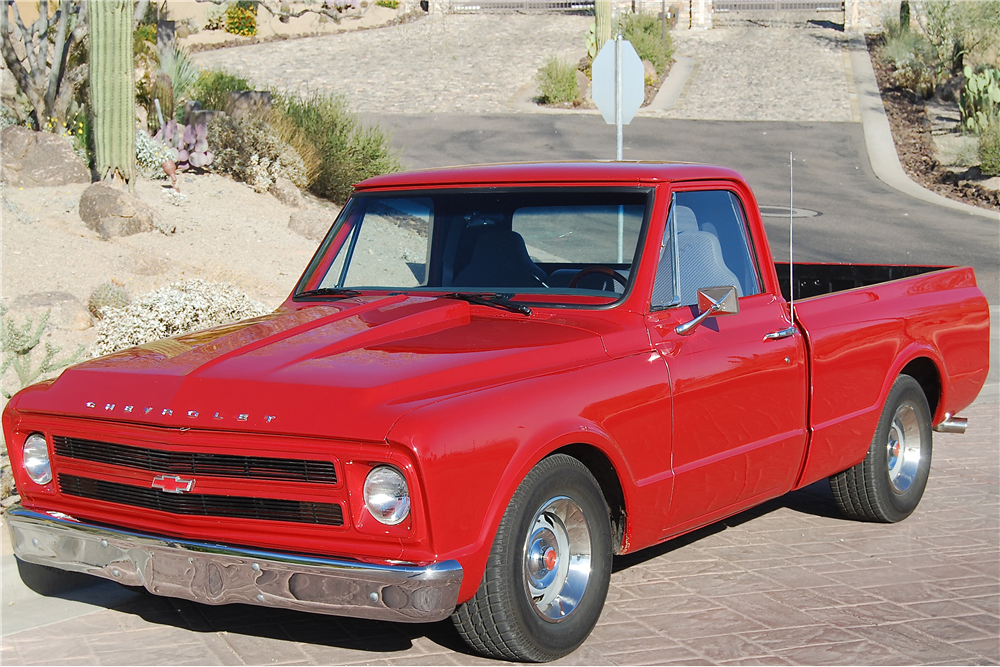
(860, 218)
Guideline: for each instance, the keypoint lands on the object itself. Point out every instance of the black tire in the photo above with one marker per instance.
(887, 486)
(503, 620)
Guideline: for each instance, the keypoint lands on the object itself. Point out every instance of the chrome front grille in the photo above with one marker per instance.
(192, 463)
(268, 509)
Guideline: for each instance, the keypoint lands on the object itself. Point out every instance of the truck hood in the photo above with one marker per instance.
(346, 369)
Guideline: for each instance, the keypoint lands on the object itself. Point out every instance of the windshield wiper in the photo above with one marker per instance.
(339, 292)
(495, 299)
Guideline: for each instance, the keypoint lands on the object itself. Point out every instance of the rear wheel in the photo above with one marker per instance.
(549, 569)
(888, 484)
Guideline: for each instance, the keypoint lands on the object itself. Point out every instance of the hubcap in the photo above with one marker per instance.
(557, 558)
(903, 448)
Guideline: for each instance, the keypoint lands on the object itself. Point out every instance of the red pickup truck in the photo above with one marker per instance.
(488, 381)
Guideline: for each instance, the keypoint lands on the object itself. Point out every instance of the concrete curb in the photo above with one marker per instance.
(878, 136)
(666, 97)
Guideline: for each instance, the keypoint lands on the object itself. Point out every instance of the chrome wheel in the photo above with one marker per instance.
(903, 448)
(557, 558)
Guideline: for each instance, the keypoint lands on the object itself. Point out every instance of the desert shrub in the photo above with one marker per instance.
(646, 34)
(912, 58)
(250, 151)
(213, 87)
(241, 20)
(389, 4)
(349, 152)
(557, 81)
(110, 294)
(989, 149)
(179, 308)
(183, 73)
(215, 17)
(960, 30)
(150, 154)
(17, 345)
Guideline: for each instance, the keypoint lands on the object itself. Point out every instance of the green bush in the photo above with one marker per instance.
(241, 21)
(212, 88)
(989, 149)
(349, 152)
(557, 81)
(390, 4)
(645, 32)
(913, 59)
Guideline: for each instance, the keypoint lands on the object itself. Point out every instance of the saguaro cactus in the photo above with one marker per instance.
(112, 89)
(602, 21)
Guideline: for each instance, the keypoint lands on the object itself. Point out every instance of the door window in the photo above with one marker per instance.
(706, 244)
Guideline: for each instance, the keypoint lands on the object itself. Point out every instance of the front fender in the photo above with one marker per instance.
(473, 450)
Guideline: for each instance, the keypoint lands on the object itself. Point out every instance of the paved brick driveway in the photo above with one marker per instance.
(790, 582)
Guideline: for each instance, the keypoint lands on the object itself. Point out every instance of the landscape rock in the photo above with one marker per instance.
(649, 71)
(112, 212)
(38, 159)
(65, 310)
(583, 83)
(310, 223)
(286, 192)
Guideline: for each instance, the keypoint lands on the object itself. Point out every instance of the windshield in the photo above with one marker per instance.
(571, 246)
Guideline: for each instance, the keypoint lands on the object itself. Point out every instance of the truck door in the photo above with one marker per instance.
(738, 381)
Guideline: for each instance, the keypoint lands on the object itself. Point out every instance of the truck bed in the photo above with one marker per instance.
(815, 279)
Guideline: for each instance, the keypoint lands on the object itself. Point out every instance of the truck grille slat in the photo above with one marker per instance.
(191, 463)
(267, 509)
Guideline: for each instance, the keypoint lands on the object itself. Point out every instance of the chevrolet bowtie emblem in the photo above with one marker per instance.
(172, 484)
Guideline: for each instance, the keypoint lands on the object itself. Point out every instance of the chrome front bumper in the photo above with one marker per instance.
(218, 574)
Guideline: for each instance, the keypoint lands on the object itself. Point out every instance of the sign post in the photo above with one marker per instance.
(619, 84)
(619, 88)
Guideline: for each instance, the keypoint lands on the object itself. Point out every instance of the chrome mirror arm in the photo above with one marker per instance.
(711, 301)
(688, 328)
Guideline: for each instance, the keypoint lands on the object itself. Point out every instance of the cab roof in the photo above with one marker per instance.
(556, 173)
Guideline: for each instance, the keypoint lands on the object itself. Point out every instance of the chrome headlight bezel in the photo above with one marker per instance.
(35, 459)
(387, 496)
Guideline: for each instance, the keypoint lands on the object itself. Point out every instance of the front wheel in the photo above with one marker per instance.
(549, 569)
(889, 483)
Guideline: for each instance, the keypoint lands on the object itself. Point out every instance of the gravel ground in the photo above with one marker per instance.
(478, 64)
(466, 63)
(802, 77)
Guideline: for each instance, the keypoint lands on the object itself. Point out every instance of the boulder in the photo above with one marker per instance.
(65, 310)
(38, 159)
(583, 83)
(285, 191)
(649, 71)
(311, 224)
(112, 212)
(246, 104)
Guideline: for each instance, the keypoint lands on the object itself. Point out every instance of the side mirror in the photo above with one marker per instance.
(712, 301)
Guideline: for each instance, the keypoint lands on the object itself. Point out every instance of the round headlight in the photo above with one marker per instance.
(36, 459)
(386, 495)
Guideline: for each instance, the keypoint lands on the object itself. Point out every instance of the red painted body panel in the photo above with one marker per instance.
(861, 339)
(465, 399)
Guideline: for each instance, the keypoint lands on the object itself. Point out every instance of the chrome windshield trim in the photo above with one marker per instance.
(219, 574)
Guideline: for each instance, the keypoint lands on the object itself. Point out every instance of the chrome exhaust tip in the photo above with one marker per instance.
(952, 424)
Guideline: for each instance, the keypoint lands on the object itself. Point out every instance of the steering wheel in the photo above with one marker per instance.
(590, 270)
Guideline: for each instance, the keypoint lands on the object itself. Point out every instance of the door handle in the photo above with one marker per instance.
(778, 335)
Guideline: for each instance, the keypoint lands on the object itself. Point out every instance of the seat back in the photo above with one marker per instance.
(500, 259)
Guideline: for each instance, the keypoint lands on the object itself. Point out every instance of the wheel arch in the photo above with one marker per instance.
(603, 470)
(928, 376)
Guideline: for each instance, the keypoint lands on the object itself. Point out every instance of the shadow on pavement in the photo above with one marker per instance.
(815, 499)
